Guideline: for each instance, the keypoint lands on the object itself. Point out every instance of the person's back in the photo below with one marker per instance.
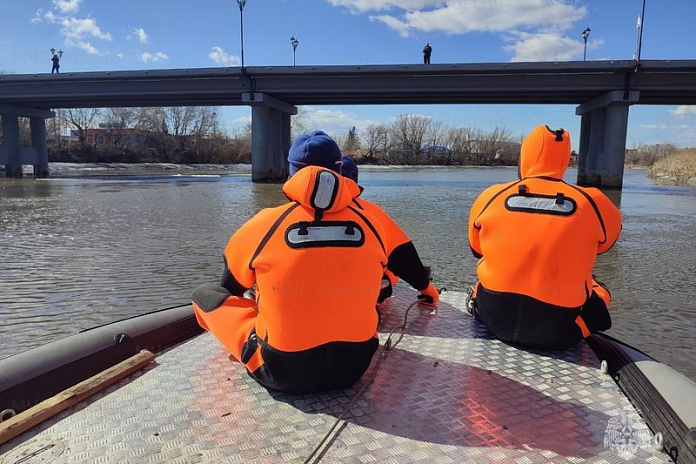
(317, 266)
(538, 239)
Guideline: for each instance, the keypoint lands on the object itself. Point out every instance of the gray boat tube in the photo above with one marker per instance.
(664, 397)
(30, 377)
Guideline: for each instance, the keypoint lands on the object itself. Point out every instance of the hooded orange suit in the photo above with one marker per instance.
(537, 239)
(317, 263)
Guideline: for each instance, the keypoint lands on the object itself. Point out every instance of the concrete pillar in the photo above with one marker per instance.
(584, 147)
(286, 136)
(270, 136)
(612, 164)
(603, 139)
(268, 158)
(595, 147)
(12, 148)
(38, 142)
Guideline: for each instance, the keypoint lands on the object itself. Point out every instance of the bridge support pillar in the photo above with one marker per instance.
(270, 137)
(38, 143)
(11, 150)
(12, 154)
(602, 149)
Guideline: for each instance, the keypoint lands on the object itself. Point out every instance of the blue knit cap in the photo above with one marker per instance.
(350, 169)
(314, 149)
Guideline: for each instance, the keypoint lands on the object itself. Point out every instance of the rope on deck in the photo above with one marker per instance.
(388, 346)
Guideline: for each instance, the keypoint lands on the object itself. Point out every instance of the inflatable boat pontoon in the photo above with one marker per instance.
(448, 393)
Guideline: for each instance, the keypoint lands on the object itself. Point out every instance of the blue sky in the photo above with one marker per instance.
(156, 34)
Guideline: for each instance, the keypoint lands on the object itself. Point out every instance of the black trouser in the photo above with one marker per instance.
(526, 321)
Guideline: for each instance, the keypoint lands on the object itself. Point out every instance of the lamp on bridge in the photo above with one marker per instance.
(241, 4)
(294, 43)
(585, 35)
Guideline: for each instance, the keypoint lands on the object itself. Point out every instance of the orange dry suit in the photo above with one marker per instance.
(403, 259)
(537, 239)
(317, 263)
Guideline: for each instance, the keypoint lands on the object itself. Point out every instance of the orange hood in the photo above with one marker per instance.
(321, 189)
(545, 152)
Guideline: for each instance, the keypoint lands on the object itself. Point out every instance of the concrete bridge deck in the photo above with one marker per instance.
(604, 90)
(658, 82)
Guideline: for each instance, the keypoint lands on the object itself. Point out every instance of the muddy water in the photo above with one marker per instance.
(76, 252)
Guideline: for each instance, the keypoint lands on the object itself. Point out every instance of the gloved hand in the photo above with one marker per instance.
(429, 295)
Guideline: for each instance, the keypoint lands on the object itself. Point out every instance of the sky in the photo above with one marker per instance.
(109, 35)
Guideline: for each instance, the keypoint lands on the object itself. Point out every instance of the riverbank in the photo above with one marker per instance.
(676, 169)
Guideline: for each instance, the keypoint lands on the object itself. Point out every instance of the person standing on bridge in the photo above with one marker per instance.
(316, 264)
(537, 239)
(427, 51)
(56, 61)
(404, 261)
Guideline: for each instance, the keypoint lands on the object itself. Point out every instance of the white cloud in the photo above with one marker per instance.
(241, 121)
(149, 57)
(88, 47)
(462, 16)
(67, 6)
(119, 56)
(683, 110)
(653, 126)
(220, 56)
(77, 32)
(394, 23)
(38, 16)
(332, 121)
(380, 5)
(139, 33)
(547, 46)
(77, 29)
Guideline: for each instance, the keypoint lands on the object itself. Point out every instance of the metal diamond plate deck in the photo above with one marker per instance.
(449, 393)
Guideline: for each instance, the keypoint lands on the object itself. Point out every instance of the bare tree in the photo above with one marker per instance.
(491, 145)
(435, 141)
(299, 123)
(408, 132)
(646, 155)
(376, 140)
(81, 119)
(121, 118)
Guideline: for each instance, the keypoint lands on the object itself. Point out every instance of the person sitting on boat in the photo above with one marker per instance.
(537, 239)
(403, 258)
(317, 263)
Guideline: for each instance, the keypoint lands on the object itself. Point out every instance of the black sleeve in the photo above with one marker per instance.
(405, 263)
(476, 254)
(230, 283)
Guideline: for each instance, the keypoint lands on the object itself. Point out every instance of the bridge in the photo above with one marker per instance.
(603, 91)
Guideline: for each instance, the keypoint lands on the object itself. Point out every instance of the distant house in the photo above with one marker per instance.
(113, 137)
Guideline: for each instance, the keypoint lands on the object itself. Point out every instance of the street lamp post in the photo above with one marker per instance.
(641, 22)
(241, 4)
(585, 35)
(294, 43)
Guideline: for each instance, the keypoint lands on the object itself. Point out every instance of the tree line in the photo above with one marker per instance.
(185, 135)
(190, 135)
(416, 139)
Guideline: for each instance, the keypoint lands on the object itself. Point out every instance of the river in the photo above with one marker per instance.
(80, 250)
